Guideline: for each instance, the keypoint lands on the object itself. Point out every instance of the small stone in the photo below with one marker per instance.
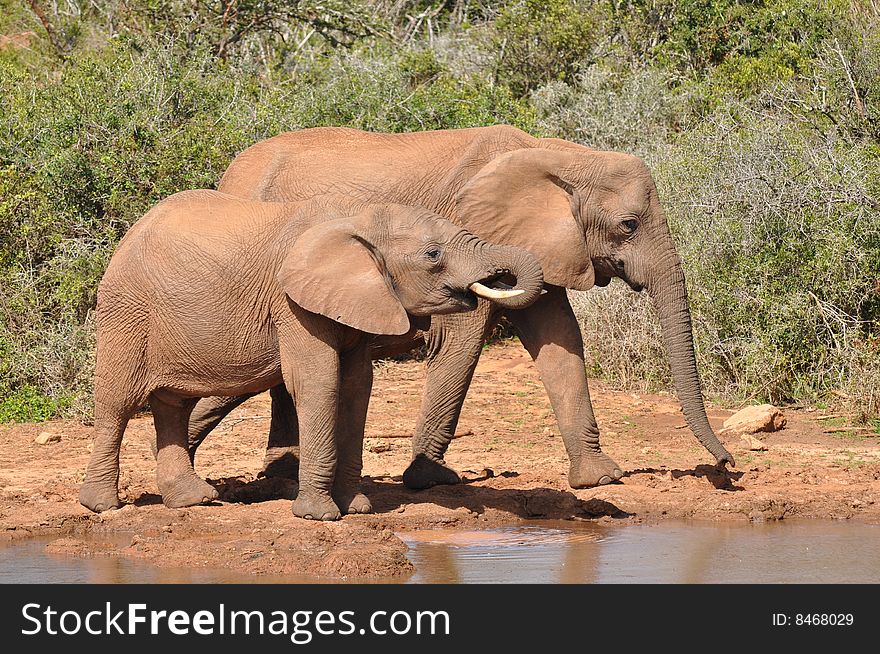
(47, 437)
(166, 529)
(379, 447)
(754, 419)
(753, 443)
(645, 450)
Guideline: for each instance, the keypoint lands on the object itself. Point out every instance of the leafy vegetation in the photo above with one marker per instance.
(759, 118)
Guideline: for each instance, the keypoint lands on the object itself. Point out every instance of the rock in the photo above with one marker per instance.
(753, 443)
(754, 419)
(46, 437)
(379, 447)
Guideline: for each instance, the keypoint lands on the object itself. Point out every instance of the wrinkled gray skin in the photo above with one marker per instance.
(587, 215)
(209, 294)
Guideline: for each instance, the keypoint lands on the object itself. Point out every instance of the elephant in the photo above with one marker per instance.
(587, 215)
(210, 294)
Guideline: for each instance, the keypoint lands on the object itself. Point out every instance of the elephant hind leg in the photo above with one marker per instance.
(282, 450)
(100, 490)
(117, 398)
(208, 413)
(177, 480)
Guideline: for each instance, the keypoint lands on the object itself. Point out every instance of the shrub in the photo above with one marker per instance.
(540, 41)
(779, 233)
(630, 111)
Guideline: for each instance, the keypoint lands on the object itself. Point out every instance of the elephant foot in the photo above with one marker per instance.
(281, 462)
(353, 503)
(186, 490)
(424, 472)
(99, 497)
(315, 507)
(593, 469)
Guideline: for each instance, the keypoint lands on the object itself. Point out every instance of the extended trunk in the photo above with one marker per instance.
(670, 299)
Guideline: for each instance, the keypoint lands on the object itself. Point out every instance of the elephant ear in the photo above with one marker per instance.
(521, 198)
(330, 270)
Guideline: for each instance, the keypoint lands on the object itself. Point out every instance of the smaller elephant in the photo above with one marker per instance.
(208, 294)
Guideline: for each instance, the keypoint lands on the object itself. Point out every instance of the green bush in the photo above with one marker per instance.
(779, 232)
(27, 404)
(538, 41)
(760, 119)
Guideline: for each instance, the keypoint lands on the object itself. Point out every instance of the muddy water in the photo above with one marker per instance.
(29, 562)
(548, 552)
(786, 552)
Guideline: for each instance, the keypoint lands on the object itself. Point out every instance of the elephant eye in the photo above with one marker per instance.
(630, 225)
(433, 254)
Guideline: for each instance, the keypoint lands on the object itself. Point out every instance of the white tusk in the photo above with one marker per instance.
(505, 287)
(494, 293)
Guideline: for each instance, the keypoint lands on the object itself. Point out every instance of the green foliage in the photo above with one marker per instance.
(760, 119)
(538, 41)
(782, 248)
(27, 404)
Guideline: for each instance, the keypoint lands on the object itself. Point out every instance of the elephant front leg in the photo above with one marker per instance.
(178, 483)
(311, 370)
(550, 332)
(454, 345)
(356, 382)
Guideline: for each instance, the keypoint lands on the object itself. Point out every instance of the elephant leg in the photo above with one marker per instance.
(313, 379)
(282, 450)
(454, 344)
(118, 394)
(356, 382)
(550, 332)
(100, 490)
(178, 483)
(206, 415)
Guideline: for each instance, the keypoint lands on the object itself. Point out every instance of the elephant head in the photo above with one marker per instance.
(589, 216)
(371, 268)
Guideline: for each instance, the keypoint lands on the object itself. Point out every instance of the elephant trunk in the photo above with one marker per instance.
(669, 294)
(502, 261)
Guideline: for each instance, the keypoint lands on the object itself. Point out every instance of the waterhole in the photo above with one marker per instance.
(547, 552)
(784, 552)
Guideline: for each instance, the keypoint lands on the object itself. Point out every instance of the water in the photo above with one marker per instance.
(785, 552)
(549, 552)
(28, 562)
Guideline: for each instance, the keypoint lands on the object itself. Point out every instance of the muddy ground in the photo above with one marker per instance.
(509, 451)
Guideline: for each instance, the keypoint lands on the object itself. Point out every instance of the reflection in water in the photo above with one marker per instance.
(787, 552)
(547, 552)
(28, 562)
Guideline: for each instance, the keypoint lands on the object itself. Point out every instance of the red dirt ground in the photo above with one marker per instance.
(509, 452)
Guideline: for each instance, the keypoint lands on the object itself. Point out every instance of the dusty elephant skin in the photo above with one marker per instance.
(210, 294)
(587, 215)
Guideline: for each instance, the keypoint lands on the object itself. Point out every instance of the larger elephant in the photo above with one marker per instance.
(587, 215)
(210, 294)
